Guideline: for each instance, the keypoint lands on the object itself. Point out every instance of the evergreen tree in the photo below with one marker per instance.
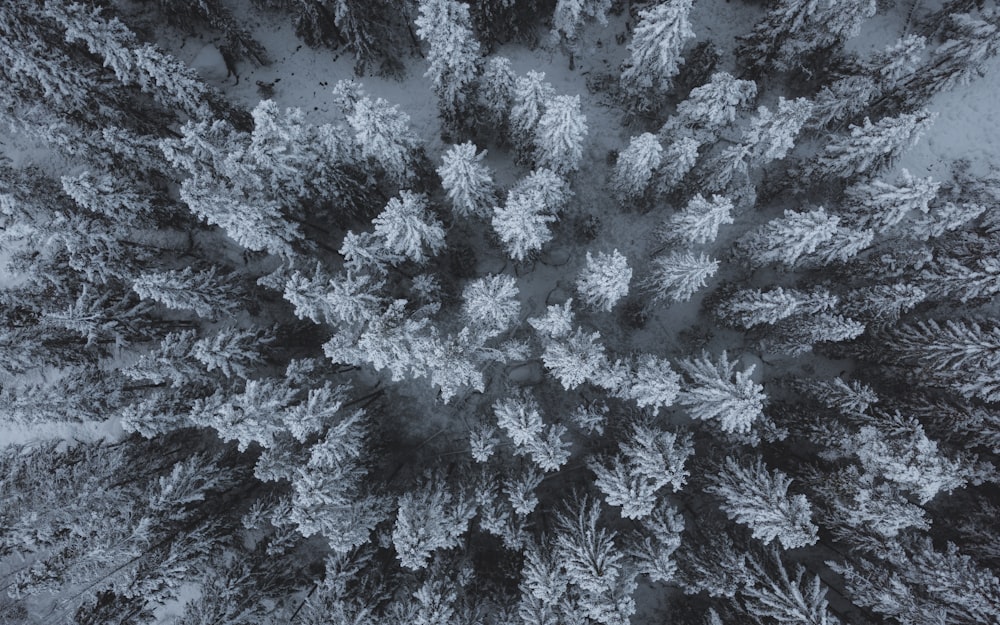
(783, 599)
(656, 47)
(880, 205)
(870, 147)
(714, 105)
(490, 304)
(382, 131)
(787, 239)
(559, 135)
(429, 519)
(793, 28)
(747, 308)
(570, 14)
(204, 292)
(772, 134)
(677, 275)
(496, 95)
(557, 322)
(798, 334)
(575, 358)
(635, 166)
(604, 280)
(972, 41)
(533, 203)
(679, 158)
(758, 498)
(530, 97)
(453, 56)
(649, 460)
(699, 221)
(653, 384)
(408, 229)
(468, 183)
(717, 391)
(959, 354)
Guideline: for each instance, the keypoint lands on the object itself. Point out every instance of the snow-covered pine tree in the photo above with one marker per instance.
(594, 565)
(716, 391)
(677, 275)
(787, 239)
(785, 600)
(575, 358)
(453, 57)
(557, 322)
(870, 147)
(532, 204)
(771, 134)
(635, 166)
(942, 218)
(430, 518)
(660, 538)
(529, 99)
(791, 29)
(408, 229)
(882, 304)
(747, 308)
(204, 292)
(381, 130)
(560, 134)
(846, 243)
(655, 50)
(798, 334)
(960, 354)
(570, 15)
(880, 205)
(649, 460)
(714, 105)
(699, 221)
(758, 498)
(653, 384)
(679, 158)
(468, 183)
(490, 304)
(496, 95)
(973, 39)
(604, 280)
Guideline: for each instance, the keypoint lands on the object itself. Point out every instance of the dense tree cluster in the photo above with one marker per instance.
(266, 365)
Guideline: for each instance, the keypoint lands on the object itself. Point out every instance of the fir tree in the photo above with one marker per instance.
(797, 335)
(635, 166)
(575, 358)
(490, 304)
(381, 130)
(204, 293)
(429, 519)
(468, 183)
(496, 95)
(717, 391)
(656, 47)
(557, 322)
(604, 280)
(772, 134)
(786, 600)
(715, 104)
(880, 205)
(533, 203)
(788, 239)
(750, 307)
(699, 221)
(870, 147)
(678, 159)
(408, 229)
(653, 384)
(559, 135)
(530, 97)
(758, 498)
(453, 56)
(972, 41)
(677, 275)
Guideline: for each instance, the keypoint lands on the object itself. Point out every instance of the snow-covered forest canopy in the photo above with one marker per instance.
(499, 312)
